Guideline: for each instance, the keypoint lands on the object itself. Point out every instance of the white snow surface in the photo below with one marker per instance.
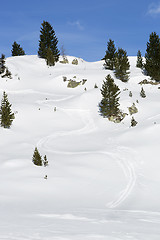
(103, 178)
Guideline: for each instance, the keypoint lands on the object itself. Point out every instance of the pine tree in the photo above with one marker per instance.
(142, 93)
(37, 159)
(109, 105)
(122, 65)
(17, 50)
(45, 161)
(139, 60)
(50, 60)
(47, 40)
(130, 94)
(110, 55)
(2, 64)
(6, 115)
(152, 56)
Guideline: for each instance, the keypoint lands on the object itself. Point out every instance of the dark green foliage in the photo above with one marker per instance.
(17, 50)
(139, 60)
(152, 65)
(45, 161)
(110, 55)
(109, 105)
(95, 86)
(133, 122)
(142, 93)
(50, 60)
(37, 159)
(2, 64)
(48, 40)
(122, 65)
(6, 115)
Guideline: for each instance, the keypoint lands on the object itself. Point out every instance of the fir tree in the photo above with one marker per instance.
(50, 60)
(6, 115)
(17, 50)
(48, 40)
(122, 65)
(109, 105)
(110, 55)
(2, 64)
(45, 161)
(142, 93)
(37, 159)
(139, 60)
(152, 56)
(130, 94)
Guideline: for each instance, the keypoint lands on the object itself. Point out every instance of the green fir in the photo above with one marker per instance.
(48, 40)
(17, 50)
(139, 63)
(45, 161)
(110, 55)
(6, 115)
(2, 64)
(109, 105)
(37, 159)
(122, 65)
(142, 93)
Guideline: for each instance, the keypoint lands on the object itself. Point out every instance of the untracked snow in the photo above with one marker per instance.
(103, 178)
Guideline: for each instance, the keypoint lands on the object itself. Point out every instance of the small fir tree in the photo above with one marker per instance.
(130, 94)
(122, 65)
(110, 55)
(48, 40)
(45, 161)
(109, 105)
(50, 60)
(2, 64)
(152, 56)
(37, 159)
(139, 60)
(142, 93)
(133, 122)
(6, 115)
(17, 50)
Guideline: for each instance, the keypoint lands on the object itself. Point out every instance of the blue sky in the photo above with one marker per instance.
(83, 27)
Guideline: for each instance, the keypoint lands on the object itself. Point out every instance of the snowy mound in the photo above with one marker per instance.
(102, 179)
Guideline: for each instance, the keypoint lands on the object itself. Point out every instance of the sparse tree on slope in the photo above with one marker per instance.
(110, 55)
(152, 56)
(48, 40)
(6, 115)
(109, 105)
(37, 159)
(2, 64)
(17, 50)
(122, 65)
(142, 93)
(139, 60)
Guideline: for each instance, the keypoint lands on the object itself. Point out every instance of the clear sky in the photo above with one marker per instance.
(83, 27)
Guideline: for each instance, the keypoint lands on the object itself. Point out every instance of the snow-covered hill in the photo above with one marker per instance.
(103, 178)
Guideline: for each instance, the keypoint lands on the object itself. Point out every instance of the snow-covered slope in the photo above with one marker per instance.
(103, 178)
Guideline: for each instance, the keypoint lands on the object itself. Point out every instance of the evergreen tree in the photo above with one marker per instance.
(152, 56)
(130, 94)
(50, 60)
(17, 50)
(139, 60)
(142, 93)
(2, 64)
(122, 65)
(109, 105)
(6, 115)
(37, 159)
(45, 161)
(110, 55)
(47, 40)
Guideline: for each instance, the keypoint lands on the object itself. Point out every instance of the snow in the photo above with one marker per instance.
(103, 178)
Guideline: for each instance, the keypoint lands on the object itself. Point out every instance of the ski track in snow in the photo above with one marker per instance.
(126, 165)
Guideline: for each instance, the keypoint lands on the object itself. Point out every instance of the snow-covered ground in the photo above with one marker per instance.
(103, 178)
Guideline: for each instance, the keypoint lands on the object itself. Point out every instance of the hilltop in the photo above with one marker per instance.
(103, 177)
